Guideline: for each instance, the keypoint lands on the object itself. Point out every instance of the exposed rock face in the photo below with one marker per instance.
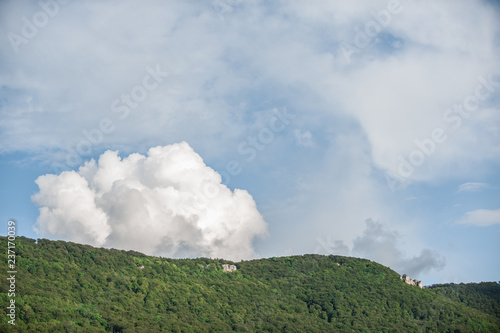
(229, 268)
(406, 279)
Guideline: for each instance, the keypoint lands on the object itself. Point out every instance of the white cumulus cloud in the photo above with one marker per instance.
(165, 203)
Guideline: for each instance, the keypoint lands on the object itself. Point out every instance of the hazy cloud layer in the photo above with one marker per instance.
(166, 203)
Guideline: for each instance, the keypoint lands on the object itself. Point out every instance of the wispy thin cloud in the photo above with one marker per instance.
(472, 187)
(481, 217)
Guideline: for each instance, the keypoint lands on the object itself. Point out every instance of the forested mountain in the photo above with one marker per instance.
(68, 287)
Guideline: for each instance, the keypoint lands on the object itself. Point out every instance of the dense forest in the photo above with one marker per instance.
(68, 287)
(483, 296)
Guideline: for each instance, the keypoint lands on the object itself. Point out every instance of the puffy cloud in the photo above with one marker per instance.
(427, 260)
(481, 217)
(165, 203)
(380, 243)
(67, 207)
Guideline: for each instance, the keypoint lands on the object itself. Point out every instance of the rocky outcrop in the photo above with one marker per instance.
(229, 268)
(406, 279)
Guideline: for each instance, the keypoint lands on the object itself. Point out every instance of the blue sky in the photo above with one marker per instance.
(369, 129)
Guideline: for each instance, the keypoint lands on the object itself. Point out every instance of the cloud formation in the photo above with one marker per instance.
(481, 217)
(166, 203)
(398, 89)
(380, 243)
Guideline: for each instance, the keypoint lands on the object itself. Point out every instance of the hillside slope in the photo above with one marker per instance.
(68, 287)
(484, 296)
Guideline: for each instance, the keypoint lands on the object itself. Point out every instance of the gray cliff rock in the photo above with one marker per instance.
(406, 279)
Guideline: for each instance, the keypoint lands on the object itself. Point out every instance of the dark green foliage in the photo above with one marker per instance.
(68, 287)
(484, 296)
